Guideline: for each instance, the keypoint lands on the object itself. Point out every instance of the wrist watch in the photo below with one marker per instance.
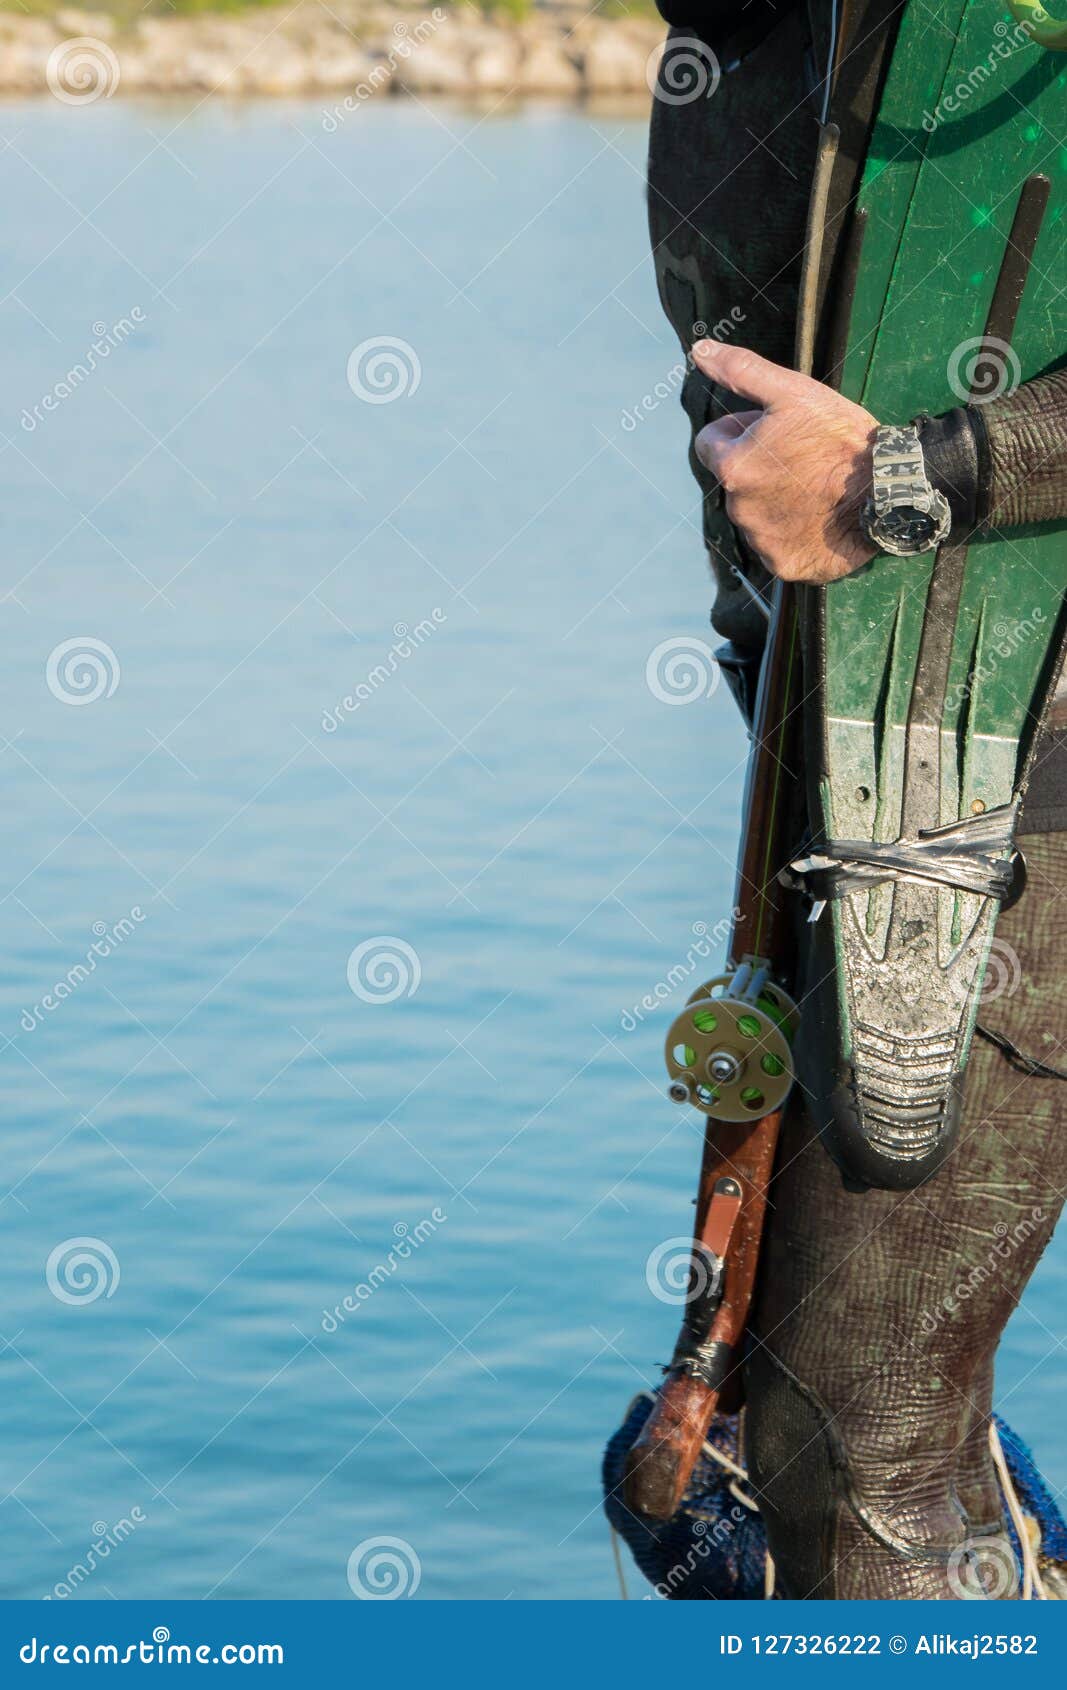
(904, 514)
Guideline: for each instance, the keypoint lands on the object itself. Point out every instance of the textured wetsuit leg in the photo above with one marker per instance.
(870, 1379)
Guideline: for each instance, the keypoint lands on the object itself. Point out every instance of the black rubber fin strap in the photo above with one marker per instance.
(922, 746)
(974, 855)
(865, 39)
(1018, 257)
(950, 449)
(1003, 312)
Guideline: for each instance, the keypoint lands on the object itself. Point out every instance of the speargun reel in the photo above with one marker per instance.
(729, 1053)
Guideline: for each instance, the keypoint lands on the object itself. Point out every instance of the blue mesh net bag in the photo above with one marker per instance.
(715, 1547)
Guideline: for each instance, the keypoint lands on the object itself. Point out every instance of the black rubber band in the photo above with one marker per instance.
(974, 855)
(950, 453)
(984, 480)
(711, 1362)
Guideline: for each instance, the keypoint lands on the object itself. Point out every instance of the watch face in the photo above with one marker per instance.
(907, 527)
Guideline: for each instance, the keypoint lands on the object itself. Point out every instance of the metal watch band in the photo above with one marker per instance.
(898, 470)
(899, 481)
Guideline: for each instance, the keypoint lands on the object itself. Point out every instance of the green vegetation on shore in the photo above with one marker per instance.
(127, 12)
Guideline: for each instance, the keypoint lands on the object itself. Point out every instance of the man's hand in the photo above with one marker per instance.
(796, 471)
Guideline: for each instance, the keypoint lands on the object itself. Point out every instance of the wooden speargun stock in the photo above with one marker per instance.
(731, 1059)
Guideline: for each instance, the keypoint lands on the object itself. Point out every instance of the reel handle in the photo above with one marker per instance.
(660, 1463)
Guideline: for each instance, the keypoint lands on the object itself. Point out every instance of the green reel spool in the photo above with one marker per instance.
(771, 998)
(729, 1052)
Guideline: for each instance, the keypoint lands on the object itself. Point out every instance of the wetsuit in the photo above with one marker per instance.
(869, 1377)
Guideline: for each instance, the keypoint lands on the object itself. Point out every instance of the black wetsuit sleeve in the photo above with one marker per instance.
(1004, 463)
(724, 23)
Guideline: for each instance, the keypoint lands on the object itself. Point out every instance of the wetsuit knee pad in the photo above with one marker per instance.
(794, 1467)
(849, 1517)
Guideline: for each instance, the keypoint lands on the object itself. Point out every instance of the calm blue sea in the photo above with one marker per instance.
(356, 1024)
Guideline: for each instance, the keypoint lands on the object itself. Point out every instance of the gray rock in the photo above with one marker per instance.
(434, 68)
(613, 63)
(97, 25)
(546, 69)
(494, 69)
(365, 45)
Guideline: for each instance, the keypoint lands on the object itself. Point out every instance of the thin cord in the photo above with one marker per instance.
(1032, 1585)
(618, 1562)
(830, 62)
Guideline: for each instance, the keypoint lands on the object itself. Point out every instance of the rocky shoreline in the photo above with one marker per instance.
(351, 51)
